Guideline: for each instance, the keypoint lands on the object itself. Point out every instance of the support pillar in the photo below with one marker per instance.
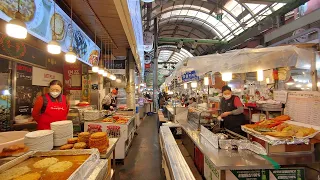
(130, 87)
(155, 66)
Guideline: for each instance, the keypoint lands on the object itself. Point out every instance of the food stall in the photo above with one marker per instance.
(120, 124)
(277, 147)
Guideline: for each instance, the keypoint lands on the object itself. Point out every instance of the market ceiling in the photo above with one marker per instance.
(199, 19)
(100, 17)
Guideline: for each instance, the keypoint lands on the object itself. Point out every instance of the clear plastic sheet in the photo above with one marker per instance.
(247, 60)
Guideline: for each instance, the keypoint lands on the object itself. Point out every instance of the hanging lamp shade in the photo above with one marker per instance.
(118, 80)
(95, 69)
(16, 28)
(70, 56)
(54, 47)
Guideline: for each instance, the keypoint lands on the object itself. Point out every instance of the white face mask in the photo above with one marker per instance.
(55, 94)
(227, 96)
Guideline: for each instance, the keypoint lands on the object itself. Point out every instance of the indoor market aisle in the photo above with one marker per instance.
(143, 161)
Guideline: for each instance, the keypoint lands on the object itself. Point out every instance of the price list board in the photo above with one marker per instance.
(304, 107)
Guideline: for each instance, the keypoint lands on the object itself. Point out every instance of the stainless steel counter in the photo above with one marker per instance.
(241, 159)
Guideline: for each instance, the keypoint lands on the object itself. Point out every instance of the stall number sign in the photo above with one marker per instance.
(262, 174)
(190, 76)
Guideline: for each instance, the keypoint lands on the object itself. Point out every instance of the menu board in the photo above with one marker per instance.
(303, 106)
(24, 75)
(43, 18)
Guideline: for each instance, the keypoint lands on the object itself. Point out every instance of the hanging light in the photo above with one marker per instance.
(53, 46)
(206, 81)
(290, 81)
(185, 86)
(194, 84)
(227, 76)
(70, 56)
(106, 74)
(260, 75)
(16, 28)
(101, 71)
(113, 77)
(95, 69)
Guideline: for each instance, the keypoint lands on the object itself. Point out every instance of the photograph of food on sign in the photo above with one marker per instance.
(44, 19)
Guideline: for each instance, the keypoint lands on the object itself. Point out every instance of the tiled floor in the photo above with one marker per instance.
(143, 161)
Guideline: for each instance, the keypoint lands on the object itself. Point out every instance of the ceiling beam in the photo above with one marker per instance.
(265, 24)
(175, 31)
(190, 40)
(267, 1)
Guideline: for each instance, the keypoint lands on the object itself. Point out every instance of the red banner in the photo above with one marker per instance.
(72, 76)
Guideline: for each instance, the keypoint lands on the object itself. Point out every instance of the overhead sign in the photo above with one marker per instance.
(42, 21)
(148, 39)
(190, 76)
(42, 77)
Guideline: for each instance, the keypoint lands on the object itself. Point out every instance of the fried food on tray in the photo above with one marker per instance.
(100, 141)
(282, 118)
(13, 148)
(46, 162)
(72, 140)
(84, 137)
(14, 172)
(60, 166)
(80, 145)
(29, 176)
(66, 146)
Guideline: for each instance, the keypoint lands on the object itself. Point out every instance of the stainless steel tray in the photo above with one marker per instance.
(83, 172)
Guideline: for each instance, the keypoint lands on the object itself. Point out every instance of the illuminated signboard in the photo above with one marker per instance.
(135, 14)
(39, 16)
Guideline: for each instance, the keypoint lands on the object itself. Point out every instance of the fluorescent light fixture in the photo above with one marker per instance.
(309, 85)
(227, 76)
(194, 84)
(185, 86)
(147, 1)
(105, 74)
(142, 84)
(308, 66)
(95, 69)
(290, 83)
(298, 85)
(6, 92)
(267, 80)
(16, 28)
(260, 75)
(206, 81)
(54, 47)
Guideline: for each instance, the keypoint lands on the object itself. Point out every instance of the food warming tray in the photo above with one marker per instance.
(84, 171)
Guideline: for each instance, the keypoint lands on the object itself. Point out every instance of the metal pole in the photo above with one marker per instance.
(155, 65)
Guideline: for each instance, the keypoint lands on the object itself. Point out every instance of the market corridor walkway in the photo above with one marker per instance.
(143, 161)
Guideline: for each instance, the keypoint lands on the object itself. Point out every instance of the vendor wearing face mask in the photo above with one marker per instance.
(50, 107)
(232, 111)
(109, 101)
